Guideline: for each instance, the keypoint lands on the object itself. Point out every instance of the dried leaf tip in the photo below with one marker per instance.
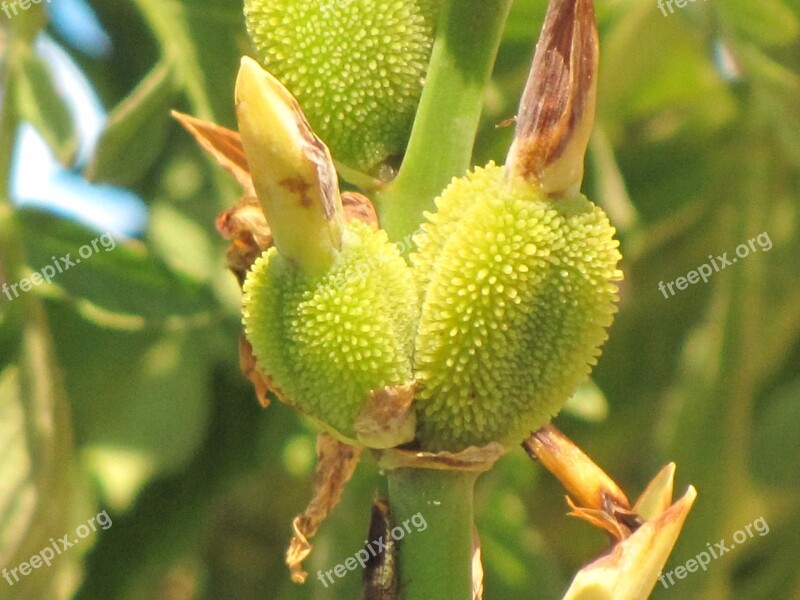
(589, 484)
(645, 534)
(632, 568)
(556, 112)
(292, 170)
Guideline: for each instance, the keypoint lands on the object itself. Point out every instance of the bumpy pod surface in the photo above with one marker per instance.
(517, 294)
(327, 341)
(355, 66)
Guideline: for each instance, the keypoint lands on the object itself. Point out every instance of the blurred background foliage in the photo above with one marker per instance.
(119, 382)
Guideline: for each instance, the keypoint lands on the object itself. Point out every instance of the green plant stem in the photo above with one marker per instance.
(435, 562)
(468, 35)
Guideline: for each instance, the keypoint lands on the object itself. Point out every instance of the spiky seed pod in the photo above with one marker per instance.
(518, 293)
(516, 268)
(356, 67)
(327, 341)
(329, 309)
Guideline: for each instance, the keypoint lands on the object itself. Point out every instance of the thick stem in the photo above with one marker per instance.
(434, 562)
(467, 38)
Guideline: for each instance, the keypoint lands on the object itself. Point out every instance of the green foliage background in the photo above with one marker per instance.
(120, 387)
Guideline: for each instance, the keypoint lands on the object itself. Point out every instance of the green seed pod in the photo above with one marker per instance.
(355, 66)
(518, 293)
(327, 341)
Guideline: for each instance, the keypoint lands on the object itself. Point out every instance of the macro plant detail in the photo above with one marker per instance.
(518, 290)
(442, 358)
(356, 66)
(427, 245)
(514, 269)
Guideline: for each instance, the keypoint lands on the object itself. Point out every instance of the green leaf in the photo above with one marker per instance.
(118, 278)
(40, 102)
(168, 22)
(775, 95)
(134, 136)
(140, 400)
(524, 23)
(588, 403)
(36, 463)
(768, 22)
(776, 456)
(18, 491)
(675, 87)
(182, 243)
